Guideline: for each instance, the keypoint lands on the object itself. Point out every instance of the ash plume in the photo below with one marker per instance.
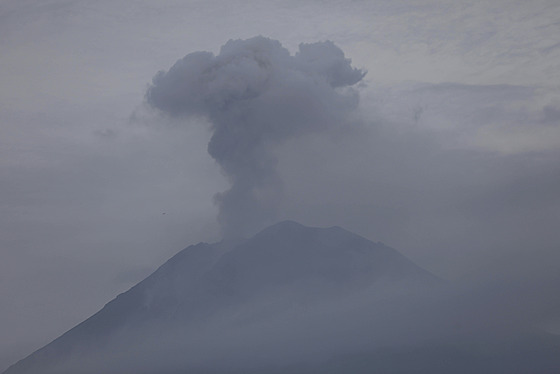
(256, 95)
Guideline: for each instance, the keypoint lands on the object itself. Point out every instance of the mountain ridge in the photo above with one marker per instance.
(281, 255)
(290, 299)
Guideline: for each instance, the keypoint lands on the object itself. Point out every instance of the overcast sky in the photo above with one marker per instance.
(451, 156)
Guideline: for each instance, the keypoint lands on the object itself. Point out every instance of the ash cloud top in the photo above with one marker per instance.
(256, 96)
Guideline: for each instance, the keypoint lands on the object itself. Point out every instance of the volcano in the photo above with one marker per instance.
(291, 299)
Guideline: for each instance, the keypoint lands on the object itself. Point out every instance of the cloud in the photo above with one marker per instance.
(507, 119)
(257, 96)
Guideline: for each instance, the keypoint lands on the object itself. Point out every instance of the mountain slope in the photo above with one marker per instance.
(140, 302)
(204, 279)
(291, 299)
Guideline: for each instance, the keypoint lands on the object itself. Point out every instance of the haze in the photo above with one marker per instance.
(450, 155)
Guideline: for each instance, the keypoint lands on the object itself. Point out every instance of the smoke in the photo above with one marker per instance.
(256, 96)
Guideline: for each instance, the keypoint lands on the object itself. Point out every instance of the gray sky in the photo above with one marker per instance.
(451, 157)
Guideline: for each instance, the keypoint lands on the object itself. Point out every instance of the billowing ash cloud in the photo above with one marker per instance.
(256, 96)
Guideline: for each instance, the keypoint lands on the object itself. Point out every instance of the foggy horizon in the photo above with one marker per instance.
(131, 131)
